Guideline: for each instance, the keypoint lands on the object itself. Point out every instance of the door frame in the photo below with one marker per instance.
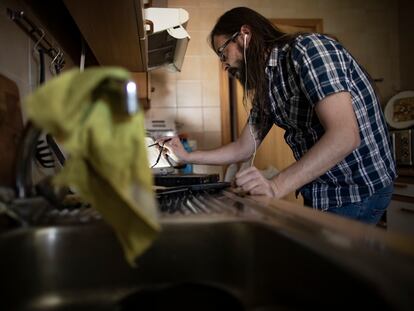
(315, 23)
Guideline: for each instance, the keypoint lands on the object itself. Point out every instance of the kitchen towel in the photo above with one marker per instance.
(107, 165)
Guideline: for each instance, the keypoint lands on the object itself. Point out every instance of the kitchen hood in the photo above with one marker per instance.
(167, 37)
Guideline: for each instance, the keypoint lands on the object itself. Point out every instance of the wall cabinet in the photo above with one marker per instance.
(143, 81)
(114, 31)
(400, 212)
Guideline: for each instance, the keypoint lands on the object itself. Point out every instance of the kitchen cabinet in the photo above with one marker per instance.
(400, 217)
(114, 30)
(400, 212)
(143, 81)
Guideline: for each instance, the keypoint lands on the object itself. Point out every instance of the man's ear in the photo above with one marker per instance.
(245, 29)
(245, 34)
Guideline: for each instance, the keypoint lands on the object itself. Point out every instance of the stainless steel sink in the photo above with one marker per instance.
(263, 266)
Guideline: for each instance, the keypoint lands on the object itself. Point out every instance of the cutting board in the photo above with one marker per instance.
(11, 130)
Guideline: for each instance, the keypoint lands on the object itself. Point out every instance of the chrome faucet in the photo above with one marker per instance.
(112, 90)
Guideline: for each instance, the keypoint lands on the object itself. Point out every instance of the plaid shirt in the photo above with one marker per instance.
(300, 75)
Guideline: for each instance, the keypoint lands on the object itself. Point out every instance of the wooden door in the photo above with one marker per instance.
(274, 151)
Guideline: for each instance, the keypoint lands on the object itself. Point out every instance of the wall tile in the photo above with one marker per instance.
(205, 45)
(191, 69)
(182, 3)
(194, 17)
(211, 140)
(211, 117)
(161, 113)
(210, 68)
(217, 4)
(165, 88)
(211, 93)
(189, 93)
(191, 119)
(209, 17)
(196, 44)
(197, 138)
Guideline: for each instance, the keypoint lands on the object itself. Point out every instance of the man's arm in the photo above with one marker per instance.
(240, 150)
(341, 137)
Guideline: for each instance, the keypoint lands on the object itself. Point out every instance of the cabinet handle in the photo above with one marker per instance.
(151, 25)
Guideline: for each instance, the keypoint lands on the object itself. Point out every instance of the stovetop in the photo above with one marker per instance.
(201, 199)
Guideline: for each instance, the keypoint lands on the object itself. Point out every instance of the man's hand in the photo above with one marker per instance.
(175, 149)
(253, 182)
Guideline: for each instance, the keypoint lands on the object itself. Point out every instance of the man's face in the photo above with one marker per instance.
(231, 56)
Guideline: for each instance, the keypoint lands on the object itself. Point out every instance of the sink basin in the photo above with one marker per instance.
(257, 265)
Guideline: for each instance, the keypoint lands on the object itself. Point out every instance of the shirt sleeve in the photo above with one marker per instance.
(322, 65)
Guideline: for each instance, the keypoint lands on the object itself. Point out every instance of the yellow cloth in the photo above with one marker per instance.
(108, 163)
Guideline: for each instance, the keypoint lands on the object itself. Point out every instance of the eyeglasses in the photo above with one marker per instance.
(159, 154)
(161, 147)
(220, 50)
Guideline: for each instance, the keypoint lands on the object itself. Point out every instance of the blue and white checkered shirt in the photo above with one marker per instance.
(300, 75)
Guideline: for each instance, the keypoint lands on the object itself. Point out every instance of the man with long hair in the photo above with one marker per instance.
(312, 87)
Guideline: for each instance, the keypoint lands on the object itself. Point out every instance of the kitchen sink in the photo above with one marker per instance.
(196, 263)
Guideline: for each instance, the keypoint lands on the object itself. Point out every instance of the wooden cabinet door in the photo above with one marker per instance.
(114, 30)
(143, 82)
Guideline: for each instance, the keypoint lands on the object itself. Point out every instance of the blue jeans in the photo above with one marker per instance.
(368, 210)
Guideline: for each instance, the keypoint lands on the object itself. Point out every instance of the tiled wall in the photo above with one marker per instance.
(369, 29)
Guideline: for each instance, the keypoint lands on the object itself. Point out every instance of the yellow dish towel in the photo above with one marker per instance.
(108, 164)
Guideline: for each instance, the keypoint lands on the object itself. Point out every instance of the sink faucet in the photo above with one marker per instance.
(113, 90)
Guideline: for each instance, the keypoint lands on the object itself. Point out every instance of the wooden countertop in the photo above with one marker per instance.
(342, 229)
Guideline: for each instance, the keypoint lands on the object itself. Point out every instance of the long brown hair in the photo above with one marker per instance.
(264, 37)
